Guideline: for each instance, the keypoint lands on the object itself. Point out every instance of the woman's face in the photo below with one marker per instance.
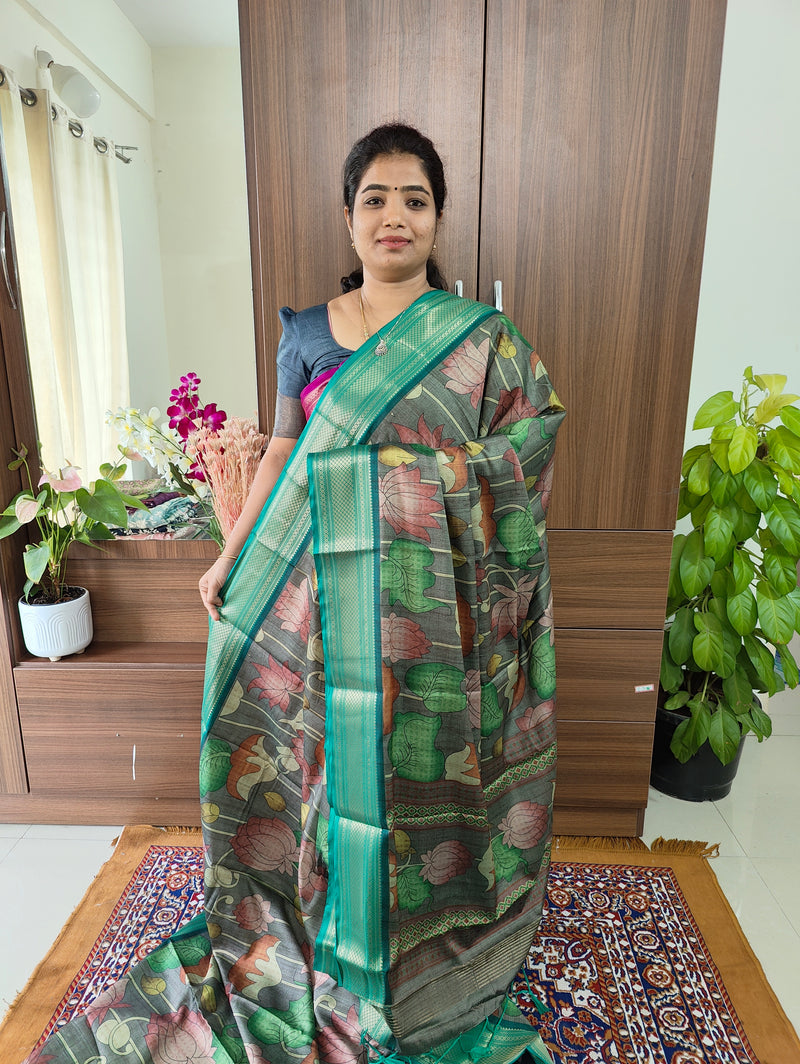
(393, 223)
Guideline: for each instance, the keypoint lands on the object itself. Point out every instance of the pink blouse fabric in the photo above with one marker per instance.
(311, 393)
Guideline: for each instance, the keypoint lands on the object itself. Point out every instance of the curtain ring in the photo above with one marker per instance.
(76, 129)
(28, 96)
(101, 145)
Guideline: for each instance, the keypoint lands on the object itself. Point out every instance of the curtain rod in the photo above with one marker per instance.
(30, 99)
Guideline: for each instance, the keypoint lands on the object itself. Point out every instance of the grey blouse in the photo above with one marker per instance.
(306, 350)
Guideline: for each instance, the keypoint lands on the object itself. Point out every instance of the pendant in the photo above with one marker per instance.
(381, 349)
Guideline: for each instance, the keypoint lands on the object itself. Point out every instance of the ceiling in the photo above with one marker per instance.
(193, 23)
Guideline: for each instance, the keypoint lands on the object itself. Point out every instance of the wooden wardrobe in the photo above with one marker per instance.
(577, 139)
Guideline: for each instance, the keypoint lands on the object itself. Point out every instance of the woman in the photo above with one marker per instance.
(379, 736)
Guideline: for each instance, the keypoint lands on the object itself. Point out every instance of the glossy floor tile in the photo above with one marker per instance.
(756, 826)
(13, 831)
(41, 882)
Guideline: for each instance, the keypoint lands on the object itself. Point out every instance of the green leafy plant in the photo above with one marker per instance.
(64, 512)
(733, 595)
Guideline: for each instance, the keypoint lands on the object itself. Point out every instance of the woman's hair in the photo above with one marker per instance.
(394, 139)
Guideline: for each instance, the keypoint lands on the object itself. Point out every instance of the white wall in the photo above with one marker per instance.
(198, 139)
(749, 312)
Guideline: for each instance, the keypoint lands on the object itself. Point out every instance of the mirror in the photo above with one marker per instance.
(170, 85)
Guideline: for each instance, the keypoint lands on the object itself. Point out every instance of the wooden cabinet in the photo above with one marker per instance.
(605, 730)
(113, 735)
(577, 141)
(114, 730)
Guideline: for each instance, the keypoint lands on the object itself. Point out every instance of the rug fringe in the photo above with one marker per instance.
(624, 843)
(620, 843)
(167, 829)
(684, 847)
(597, 842)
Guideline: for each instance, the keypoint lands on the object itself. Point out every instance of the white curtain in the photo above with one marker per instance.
(64, 205)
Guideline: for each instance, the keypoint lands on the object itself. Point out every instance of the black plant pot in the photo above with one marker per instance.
(703, 778)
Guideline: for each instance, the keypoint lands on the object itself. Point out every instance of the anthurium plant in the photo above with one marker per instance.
(733, 602)
(64, 512)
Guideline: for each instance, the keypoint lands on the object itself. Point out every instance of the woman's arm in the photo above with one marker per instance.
(269, 470)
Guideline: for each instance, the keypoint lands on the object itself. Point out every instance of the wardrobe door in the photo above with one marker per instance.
(598, 133)
(598, 137)
(318, 76)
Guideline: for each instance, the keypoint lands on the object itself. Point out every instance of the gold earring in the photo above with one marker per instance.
(352, 245)
(433, 248)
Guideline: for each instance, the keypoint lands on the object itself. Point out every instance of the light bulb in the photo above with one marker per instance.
(75, 90)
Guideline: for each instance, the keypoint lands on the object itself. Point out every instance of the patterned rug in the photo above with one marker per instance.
(620, 959)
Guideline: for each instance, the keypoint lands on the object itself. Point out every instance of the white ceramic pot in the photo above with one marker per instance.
(52, 631)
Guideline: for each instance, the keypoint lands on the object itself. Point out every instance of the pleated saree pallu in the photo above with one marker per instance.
(378, 757)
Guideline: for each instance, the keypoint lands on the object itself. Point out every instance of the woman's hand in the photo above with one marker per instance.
(211, 582)
(270, 468)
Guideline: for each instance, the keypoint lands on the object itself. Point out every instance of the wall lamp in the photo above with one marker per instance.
(75, 90)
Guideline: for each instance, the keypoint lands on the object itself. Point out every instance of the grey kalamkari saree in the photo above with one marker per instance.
(378, 757)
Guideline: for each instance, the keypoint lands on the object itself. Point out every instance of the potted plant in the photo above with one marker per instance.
(733, 602)
(55, 616)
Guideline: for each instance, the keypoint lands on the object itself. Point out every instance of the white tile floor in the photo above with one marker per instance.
(758, 867)
(757, 828)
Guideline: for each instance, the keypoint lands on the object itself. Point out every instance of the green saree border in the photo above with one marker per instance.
(352, 943)
(357, 398)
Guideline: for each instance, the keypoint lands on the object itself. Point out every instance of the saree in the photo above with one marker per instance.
(378, 753)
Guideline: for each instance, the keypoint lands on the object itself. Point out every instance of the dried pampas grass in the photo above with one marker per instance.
(229, 458)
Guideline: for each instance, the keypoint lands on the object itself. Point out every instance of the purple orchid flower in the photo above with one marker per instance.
(212, 418)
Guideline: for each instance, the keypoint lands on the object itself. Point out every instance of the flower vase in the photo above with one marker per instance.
(53, 630)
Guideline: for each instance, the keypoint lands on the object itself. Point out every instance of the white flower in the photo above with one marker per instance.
(157, 444)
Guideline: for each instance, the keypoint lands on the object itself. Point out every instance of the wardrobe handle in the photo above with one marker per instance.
(4, 259)
(498, 296)
(458, 288)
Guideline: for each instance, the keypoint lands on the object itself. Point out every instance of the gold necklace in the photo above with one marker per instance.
(363, 317)
(382, 346)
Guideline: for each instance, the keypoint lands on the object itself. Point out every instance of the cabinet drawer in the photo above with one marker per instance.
(609, 579)
(598, 673)
(600, 580)
(121, 733)
(603, 765)
(130, 600)
(145, 589)
(81, 723)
